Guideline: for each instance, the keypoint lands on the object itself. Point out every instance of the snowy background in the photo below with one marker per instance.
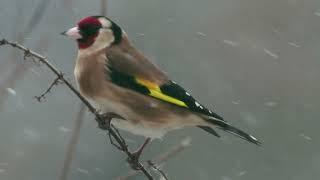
(257, 63)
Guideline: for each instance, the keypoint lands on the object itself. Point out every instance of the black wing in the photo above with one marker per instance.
(170, 92)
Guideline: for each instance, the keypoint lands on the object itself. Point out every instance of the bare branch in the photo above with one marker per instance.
(43, 95)
(115, 135)
(162, 157)
(151, 164)
(18, 70)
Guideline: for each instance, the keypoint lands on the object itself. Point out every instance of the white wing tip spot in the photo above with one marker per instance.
(253, 138)
(198, 105)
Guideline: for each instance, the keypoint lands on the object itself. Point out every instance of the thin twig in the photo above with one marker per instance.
(151, 164)
(43, 95)
(18, 70)
(162, 157)
(98, 118)
(72, 143)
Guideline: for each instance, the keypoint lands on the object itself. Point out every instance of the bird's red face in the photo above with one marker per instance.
(85, 32)
(95, 28)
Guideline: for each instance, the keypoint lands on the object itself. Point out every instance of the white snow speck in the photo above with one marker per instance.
(271, 104)
(99, 170)
(231, 43)
(317, 13)
(242, 173)
(225, 178)
(268, 52)
(64, 129)
(306, 137)
(11, 91)
(83, 171)
(201, 34)
(186, 142)
(140, 34)
(275, 30)
(235, 102)
(294, 44)
(2, 170)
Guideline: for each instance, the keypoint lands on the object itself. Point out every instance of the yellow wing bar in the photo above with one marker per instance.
(155, 91)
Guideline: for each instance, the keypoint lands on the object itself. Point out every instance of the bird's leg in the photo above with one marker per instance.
(134, 158)
(104, 119)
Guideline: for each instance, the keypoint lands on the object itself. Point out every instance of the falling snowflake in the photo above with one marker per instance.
(270, 53)
(83, 171)
(186, 142)
(201, 34)
(235, 102)
(231, 43)
(140, 34)
(271, 104)
(99, 170)
(242, 173)
(305, 137)
(11, 91)
(294, 44)
(64, 129)
(317, 13)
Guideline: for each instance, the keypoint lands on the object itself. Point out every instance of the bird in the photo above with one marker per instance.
(116, 77)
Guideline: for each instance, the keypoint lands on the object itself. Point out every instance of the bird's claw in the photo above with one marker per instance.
(104, 119)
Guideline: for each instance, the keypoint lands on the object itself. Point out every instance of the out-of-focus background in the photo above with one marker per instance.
(254, 62)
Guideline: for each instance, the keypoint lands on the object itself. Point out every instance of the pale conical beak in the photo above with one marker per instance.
(73, 33)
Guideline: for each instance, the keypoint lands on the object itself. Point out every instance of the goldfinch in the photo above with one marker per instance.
(116, 77)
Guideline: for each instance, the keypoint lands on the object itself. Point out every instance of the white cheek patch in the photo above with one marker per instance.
(103, 40)
(105, 23)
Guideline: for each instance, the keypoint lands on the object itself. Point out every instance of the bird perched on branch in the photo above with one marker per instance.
(116, 77)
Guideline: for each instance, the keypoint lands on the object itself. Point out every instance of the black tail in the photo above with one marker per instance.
(230, 129)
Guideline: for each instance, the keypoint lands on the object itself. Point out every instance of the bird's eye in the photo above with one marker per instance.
(89, 30)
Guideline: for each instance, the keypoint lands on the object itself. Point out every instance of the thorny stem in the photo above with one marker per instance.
(115, 135)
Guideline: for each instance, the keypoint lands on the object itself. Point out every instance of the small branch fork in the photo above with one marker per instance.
(160, 159)
(103, 120)
(54, 83)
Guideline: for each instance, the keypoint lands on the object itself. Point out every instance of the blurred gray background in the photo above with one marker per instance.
(254, 62)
